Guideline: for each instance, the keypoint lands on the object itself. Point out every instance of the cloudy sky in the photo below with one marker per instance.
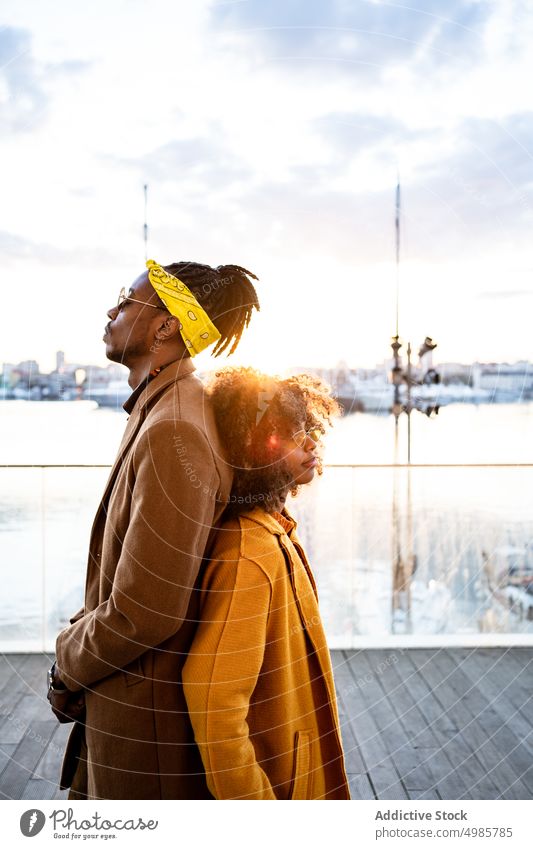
(270, 133)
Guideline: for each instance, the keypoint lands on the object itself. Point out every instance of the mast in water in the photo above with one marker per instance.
(145, 227)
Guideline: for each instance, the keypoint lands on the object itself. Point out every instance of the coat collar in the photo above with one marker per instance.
(152, 386)
(268, 521)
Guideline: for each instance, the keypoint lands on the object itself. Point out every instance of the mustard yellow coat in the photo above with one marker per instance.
(258, 679)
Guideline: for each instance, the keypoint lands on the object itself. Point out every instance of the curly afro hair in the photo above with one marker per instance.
(249, 408)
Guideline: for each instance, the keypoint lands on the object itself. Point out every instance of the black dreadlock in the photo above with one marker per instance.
(225, 293)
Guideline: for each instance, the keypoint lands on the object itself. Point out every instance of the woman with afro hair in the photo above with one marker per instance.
(258, 678)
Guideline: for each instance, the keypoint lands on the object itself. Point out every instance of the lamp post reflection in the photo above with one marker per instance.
(404, 556)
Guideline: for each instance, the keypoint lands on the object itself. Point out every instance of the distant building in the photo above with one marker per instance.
(67, 382)
(505, 379)
(457, 373)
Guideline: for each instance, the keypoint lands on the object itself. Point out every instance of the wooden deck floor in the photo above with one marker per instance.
(417, 724)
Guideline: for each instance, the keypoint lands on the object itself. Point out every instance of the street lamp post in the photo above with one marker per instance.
(404, 565)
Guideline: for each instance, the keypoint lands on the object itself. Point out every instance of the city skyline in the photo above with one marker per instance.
(271, 136)
(64, 364)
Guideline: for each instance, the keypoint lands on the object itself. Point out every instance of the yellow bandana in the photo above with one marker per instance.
(196, 328)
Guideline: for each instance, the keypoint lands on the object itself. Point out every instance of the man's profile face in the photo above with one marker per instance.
(130, 331)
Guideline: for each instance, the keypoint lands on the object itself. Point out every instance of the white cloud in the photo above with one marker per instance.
(270, 135)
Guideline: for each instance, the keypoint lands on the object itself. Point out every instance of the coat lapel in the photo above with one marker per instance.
(304, 587)
(132, 428)
(168, 376)
(305, 593)
(95, 539)
(174, 371)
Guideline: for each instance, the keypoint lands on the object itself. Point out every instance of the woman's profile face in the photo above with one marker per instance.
(299, 453)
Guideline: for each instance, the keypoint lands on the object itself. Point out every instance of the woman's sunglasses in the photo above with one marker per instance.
(300, 436)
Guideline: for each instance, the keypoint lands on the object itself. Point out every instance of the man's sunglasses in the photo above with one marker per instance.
(122, 298)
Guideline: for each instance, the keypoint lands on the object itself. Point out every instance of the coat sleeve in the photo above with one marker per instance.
(171, 514)
(221, 673)
(78, 615)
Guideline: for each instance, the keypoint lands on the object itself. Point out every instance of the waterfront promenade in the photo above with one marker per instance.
(447, 723)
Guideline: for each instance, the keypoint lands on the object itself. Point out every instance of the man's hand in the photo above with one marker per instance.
(66, 705)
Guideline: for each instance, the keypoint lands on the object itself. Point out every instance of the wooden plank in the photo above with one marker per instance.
(496, 669)
(424, 794)
(381, 769)
(453, 782)
(421, 767)
(512, 720)
(352, 755)
(360, 787)
(31, 670)
(49, 766)
(520, 661)
(7, 751)
(15, 681)
(463, 747)
(354, 760)
(407, 699)
(514, 671)
(396, 680)
(373, 752)
(411, 765)
(484, 669)
(358, 780)
(515, 681)
(33, 675)
(13, 661)
(439, 723)
(25, 758)
(24, 712)
(10, 664)
(502, 754)
(24, 697)
(39, 789)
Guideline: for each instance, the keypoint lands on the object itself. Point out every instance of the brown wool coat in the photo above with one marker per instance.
(126, 648)
(258, 678)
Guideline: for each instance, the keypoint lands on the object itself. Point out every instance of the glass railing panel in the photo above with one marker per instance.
(22, 572)
(422, 555)
(45, 520)
(71, 499)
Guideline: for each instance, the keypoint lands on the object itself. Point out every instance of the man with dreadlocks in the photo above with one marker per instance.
(118, 665)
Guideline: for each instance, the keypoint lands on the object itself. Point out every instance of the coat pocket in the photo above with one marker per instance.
(301, 775)
(133, 672)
